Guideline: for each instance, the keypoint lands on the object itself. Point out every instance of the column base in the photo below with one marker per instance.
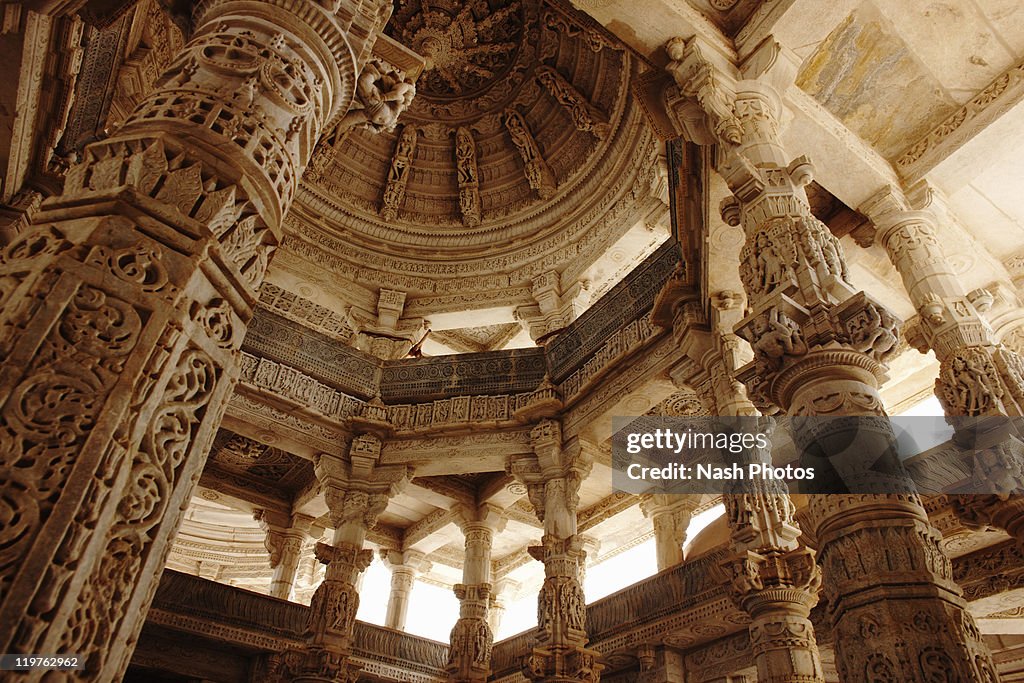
(469, 660)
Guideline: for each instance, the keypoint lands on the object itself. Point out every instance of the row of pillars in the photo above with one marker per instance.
(357, 489)
(820, 348)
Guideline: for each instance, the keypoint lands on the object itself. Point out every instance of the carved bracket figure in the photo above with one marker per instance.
(539, 175)
(382, 94)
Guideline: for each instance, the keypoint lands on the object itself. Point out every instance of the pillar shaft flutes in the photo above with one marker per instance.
(819, 348)
(553, 477)
(123, 306)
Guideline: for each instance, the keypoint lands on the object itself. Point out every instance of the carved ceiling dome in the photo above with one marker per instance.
(524, 149)
(467, 46)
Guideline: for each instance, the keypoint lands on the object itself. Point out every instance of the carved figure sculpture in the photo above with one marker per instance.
(382, 94)
(697, 78)
(968, 383)
(583, 114)
(770, 269)
(537, 172)
(469, 186)
(775, 336)
(874, 332)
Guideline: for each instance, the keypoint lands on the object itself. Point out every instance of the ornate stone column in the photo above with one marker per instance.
(310, 572)
(819, 348)
(404, 566)
(356, 490)
(123, 306)
(670, 514)
(978, 375)
(469, 659)
(591, 547)
(553, 476)
(504, 590)
(774, 579)
(285, 539)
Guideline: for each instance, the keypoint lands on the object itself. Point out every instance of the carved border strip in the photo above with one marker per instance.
(997, 98)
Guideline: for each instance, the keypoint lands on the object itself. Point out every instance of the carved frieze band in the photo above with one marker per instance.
(624, 304)
(996, 99)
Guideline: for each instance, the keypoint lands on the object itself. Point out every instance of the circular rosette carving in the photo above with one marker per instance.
(231, 54)
(289, 84)
(468, 46)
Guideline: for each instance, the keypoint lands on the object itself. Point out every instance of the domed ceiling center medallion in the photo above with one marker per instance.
(467, 47)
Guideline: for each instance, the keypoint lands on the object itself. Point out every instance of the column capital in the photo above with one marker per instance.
(653, 504)
(705, 75)
(343, 557)
(408, 560)
(486, 516)
(759, 581)
(357, 494)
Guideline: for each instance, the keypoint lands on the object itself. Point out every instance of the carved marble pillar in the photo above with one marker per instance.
(591, 548)
(356, 490)
(819, 350)
(553, 476)
(404, 566)
(285, 539)
(774, 579)
(504, 590)
(978, 375)
(310, 573)
(670, 514)
(469, 658)
(123, 306)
